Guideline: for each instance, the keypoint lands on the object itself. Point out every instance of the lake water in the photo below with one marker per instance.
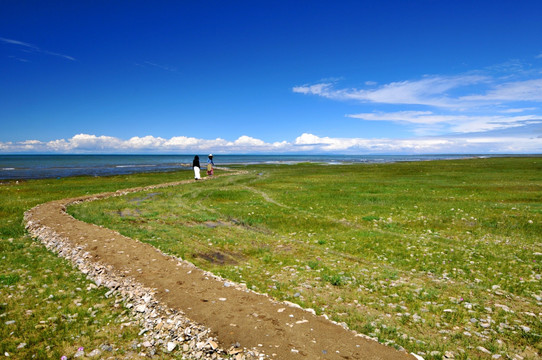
(57, 166)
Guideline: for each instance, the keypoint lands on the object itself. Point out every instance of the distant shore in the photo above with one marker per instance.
(20, 167)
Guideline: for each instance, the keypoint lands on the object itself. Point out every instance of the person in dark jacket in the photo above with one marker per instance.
(196, 167)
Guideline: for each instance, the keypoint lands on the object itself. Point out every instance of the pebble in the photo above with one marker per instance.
(21, 345)
(525, 328)
(106, 347)
(503, 307)
(483, 349)
(171, 346)
(94, 353)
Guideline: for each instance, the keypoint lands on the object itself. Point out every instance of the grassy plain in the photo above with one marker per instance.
(434, 257)
(48, 309)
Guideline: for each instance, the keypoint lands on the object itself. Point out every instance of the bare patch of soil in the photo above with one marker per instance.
(218, 257)
(214, 224)
(129, 213)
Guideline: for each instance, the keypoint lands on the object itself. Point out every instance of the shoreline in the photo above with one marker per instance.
(30, 167)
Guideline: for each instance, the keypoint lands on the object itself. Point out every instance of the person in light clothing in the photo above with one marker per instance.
(196, 167)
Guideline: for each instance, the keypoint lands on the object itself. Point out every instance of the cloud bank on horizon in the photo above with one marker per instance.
(480, 143)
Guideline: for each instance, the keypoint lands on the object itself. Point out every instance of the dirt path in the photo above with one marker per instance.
(234, 316)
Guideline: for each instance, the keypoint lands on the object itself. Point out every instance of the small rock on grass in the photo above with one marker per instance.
(483, 349)
(106, 347)
(94, 353)
(171, 346)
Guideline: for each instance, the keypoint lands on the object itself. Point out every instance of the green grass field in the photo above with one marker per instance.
(48, 309)
(429, 256)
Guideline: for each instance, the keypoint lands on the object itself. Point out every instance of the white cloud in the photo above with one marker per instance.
(453, 123)
(146, 142)
(86, 143)
(318, 89)
(31, 142)
(248, 141)
(91, 142)
(511, 111)
(445, 104)
(528, 90)
(444, 145)
(308, 139)
(513, 140)
(429, 91)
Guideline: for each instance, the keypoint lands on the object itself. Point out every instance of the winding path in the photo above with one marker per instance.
(232, 314)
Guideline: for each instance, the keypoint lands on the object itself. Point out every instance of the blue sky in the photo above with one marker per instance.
(353, 77)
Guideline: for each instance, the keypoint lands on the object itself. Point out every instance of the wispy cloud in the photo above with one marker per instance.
(503, 96)
(452, 123)
(34, 48)
(502, 141)
(158, 66)
(429, 91)
(528, 90)
(18, 58)
(17, 42)
(511, 111)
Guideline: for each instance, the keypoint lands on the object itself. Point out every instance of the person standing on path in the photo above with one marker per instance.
(210, 165)
(196, 167)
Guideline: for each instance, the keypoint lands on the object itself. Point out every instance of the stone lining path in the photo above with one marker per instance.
(171, 293)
